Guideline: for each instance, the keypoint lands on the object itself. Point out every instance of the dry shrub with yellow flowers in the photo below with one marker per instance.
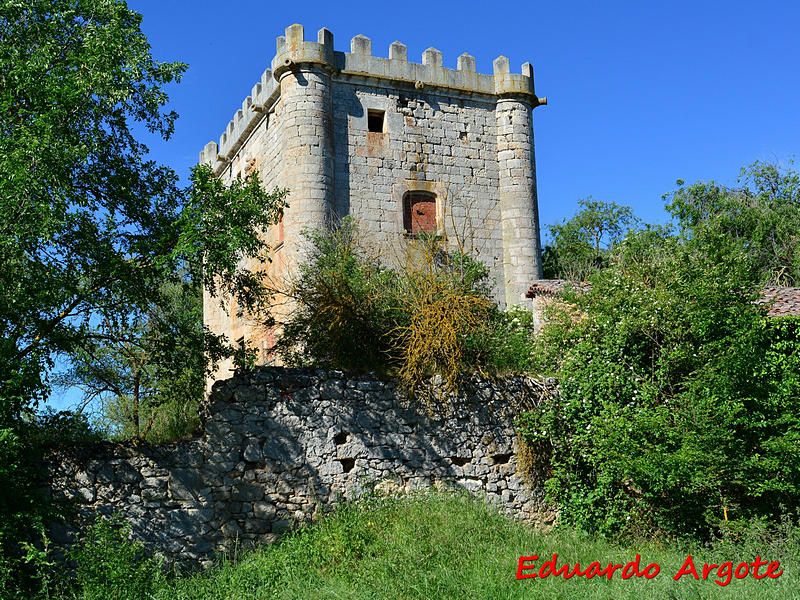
(429, 317)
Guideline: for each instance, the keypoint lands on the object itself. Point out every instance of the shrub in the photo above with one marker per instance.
(679, 401)
(431, 315)
(344, 306)
(512, 342)
(108, 566)
(443, 299)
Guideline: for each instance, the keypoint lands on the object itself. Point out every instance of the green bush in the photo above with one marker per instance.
(679, 404)
(512, 343)
(344, 306)
(108, 566)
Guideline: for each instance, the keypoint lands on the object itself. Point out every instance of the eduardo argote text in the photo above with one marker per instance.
(529, 567)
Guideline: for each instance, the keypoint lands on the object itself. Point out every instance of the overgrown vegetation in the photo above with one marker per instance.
(102, 253)
(104, 564)
(432, 545)
(678, 411)
(581, 244)
(431, 315)
(679, 400)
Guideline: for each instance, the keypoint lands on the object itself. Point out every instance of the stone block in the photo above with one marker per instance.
(184, 484)
(361, 45)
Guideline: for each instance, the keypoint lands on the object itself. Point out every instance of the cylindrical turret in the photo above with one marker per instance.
(519, 212)
(303, 70)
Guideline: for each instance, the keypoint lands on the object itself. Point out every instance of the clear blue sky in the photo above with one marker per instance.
(640, 93)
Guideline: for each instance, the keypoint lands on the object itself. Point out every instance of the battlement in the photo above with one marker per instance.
(292, 52)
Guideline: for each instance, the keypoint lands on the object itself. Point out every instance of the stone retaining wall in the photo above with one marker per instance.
(279, 445)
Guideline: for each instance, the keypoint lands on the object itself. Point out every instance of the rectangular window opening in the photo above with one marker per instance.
(376, 121)
(419, 213)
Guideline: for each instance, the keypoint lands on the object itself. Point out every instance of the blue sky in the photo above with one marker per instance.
(640, 94)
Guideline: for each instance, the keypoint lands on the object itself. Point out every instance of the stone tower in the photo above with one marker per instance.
(402, 147)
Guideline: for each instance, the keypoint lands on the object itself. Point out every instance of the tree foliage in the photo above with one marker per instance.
(679, 399)
(92, 232)
(90, 229)
(580, 245)
(762, 214)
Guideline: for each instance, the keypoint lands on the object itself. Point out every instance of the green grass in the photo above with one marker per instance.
(452, 546)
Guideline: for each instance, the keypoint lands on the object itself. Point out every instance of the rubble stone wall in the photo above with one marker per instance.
(280, 445)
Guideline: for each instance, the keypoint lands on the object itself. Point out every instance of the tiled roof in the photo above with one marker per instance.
(550, 287)
(784, 301)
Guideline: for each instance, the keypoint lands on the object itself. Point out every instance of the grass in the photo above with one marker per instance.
(452, 546)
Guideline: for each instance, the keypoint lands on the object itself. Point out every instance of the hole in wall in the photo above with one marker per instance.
(340, 438)
(376, 121)
(347, 464)
(501, 459)
(460, 461)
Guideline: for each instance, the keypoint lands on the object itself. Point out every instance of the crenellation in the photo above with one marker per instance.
(361, 45)
(294, 36)
(292, 48)
(255, 93)
(466, 63)
(501, 65)
(208, 155)
(398, 51)
(432, 57)
(325, 37)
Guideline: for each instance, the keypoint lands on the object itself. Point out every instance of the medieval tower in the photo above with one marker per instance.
(402, 147)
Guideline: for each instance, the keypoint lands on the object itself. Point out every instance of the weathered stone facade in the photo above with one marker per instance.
(349, 133)
(280, 444)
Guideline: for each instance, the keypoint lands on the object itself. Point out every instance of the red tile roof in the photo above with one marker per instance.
(784, 301)
(551, 287)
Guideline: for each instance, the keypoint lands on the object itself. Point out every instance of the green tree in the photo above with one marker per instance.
(762, 213)
(679, 400)
(91, 230)
(580, 245)
(147, 370)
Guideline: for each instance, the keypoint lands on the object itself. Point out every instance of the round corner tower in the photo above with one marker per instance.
(303, 71)
(519, 205)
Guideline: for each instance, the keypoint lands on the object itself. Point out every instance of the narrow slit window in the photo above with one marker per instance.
(376, 120)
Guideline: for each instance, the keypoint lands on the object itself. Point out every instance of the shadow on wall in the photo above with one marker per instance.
(281, 445)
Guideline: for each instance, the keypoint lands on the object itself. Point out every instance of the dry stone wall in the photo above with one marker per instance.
(281, 445)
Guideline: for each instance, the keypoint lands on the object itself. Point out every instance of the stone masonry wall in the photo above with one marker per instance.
(280, 445)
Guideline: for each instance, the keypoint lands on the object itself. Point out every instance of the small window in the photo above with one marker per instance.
(419, 213)
(375, 121)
